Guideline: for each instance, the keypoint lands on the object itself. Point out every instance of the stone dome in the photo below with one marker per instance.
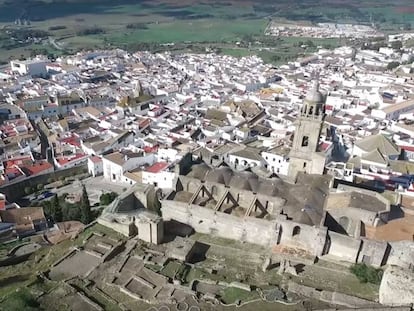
(220, 175)
(314, 95)
(244, 181)
(269, 187)
(199, 171)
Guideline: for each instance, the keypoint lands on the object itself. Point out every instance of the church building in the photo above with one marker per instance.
(304, 155)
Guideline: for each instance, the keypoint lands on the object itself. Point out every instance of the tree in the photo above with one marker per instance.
(71, 212)
(86, 214)
(28, 190)
(56, 209)
(392, 65)
(397, 45)
(47, 208)
(107, 198)
(310, 43)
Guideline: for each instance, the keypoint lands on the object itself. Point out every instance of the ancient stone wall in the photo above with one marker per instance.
(397, 287)
(342, 247)
(374, 253)
(208, 221)
(302, 236)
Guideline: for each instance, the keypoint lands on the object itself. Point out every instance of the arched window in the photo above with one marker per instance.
(296, 231)
(311, 110)
(305, 141)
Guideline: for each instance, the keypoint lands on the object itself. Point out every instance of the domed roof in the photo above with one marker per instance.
(314, 95)
(220, 175)
(245, 181)
(199, 171)
(269, 187)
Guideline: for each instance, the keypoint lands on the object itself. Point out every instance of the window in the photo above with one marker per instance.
(305, 141)
(296, 231)
(304, 164)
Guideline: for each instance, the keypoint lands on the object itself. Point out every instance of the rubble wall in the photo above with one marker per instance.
(397, 287)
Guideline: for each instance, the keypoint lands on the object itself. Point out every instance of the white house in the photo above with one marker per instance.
(116, 142)
(167, 154)
(242, 133)
(116, 163)
(277, 160)
(70, 161)
(245, 158)
(394, 111)
(34, 67)
(95, 166)
(158, 175)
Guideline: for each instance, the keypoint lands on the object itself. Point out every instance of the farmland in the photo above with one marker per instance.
(70, 25)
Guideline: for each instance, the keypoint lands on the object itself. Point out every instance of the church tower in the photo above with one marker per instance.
(304, 155)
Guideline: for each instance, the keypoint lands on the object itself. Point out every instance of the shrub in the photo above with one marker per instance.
(90, 31)
(21, 299)
(392, 65)
(367, 274)
(136, 26)
(58, 27)
(107, 198)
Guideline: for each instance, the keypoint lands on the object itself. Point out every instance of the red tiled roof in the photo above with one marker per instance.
(38, 168)
(407, 148)
(324, 146)
(20, 161)
(144, 123)
(149, 149)
(157, 167)
(96, 159)
(65, 160)
(73, 140)
(13, 171)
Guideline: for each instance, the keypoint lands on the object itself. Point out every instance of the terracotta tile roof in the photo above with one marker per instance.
(157, 167)
(96, 159)
(37, 168)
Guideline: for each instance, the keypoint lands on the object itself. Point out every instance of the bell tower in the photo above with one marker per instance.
(303, 156)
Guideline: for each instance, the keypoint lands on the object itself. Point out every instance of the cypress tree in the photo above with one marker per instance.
(86, 213)
(56, 209)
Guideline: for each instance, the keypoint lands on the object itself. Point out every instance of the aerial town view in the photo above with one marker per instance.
(206, 155)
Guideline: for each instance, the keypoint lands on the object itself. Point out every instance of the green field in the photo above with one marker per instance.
(204, 30)
(144, 24)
